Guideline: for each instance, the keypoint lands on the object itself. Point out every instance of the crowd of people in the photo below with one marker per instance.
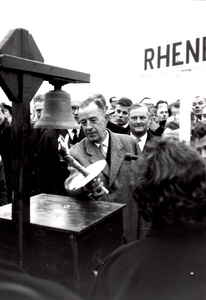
(162, 182)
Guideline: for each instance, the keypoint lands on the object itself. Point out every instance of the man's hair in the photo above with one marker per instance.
(201, 97)
(175, 104)
(100, 97)
(199, 131)
(6, 106)
(138, 105)
(174, 124)
(145, 98)
(111, 99)
(1, 108)
(124, 102)
(90, 100)
(39, 98)
(161, 102)
(170, 184)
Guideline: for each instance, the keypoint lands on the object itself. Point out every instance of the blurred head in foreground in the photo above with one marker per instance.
(170, 186)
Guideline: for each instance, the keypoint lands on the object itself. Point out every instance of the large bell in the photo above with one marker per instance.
(57, 111)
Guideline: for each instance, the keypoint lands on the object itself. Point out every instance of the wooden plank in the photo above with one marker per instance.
(47, 72)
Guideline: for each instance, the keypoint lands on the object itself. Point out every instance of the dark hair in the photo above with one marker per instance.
(175, 104)
(124, 102)
(199, 131)
(161, 102)
(6, 106)
(174, 124)
(111, 99)
(97, 101)
(170, 184)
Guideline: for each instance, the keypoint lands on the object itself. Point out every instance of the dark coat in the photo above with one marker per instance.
(5, 152)
(17, 284)
(3, 188)
(150, 136)
(165, 265)
(116, 128)
(50, 171)
(116, 176)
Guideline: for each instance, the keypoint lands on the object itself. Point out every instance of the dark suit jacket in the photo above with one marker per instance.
(3, 188)
(117, 177)
(150, 136)
(165, 265)
(48, 171)
(5, 152)
(116, 128)
(80, 137)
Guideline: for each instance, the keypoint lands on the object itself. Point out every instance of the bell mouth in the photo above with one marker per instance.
(57, 112)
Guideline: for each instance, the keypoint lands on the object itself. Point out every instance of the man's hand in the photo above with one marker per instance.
(93, 188)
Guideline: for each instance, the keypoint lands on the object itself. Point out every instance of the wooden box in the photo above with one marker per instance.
(67, 238)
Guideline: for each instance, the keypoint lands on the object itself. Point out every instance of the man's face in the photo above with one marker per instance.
(38, 108)
(114, 103)
(162, 112)
(198, 105)
(93, 121)
(75, 110)
(150, 104)
(139, 121)
(203, 120)
(121, 114)
(200, 145)
(2, 117)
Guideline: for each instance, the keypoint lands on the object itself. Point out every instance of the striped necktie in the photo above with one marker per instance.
(101, 147)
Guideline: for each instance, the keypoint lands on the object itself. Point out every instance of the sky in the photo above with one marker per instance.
(107, 39)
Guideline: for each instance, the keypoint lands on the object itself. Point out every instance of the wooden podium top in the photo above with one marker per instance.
(64, 213)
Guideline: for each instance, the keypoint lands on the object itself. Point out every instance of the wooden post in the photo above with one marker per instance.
(22, 72)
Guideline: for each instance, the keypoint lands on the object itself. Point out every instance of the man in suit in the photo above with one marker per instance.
(139, 122)
(110, 123)
(162, 114)
(121, 113)
(117, 175)
(49, 170)
(198, 104)
(74, 136)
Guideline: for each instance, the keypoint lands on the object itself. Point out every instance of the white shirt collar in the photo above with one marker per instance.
(71, 133)
(125, 125)
(105, 142)
(142, 141)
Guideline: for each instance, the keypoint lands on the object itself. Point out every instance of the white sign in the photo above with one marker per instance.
(180, 55)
